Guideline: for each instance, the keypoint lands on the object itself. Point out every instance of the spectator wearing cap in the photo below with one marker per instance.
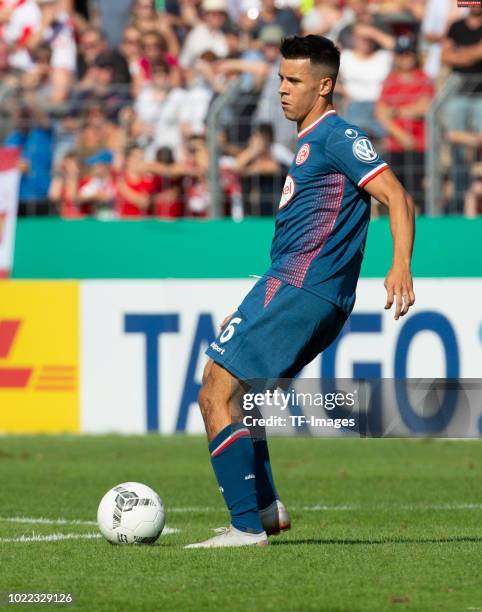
(284, 18)
(404, 100)
(363, 70)
(207, 35)
(462, 51)
(97, 189)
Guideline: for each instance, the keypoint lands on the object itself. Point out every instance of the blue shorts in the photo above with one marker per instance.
(276, 331)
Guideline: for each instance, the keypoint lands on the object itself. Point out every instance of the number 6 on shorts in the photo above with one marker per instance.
(230, 329)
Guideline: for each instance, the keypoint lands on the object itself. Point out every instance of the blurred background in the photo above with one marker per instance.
(169, 108)
(143, 150)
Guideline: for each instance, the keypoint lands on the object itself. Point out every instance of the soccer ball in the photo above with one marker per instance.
(131, 513)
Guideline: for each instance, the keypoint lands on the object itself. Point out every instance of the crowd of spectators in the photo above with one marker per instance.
(109, 99)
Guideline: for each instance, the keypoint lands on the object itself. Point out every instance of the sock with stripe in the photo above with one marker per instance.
(266, 492)
(232, 458)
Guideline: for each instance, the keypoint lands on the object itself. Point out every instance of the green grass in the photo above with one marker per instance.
(391, 531)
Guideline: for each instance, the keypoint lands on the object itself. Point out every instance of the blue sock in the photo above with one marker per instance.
(232, 458)
(265, 488)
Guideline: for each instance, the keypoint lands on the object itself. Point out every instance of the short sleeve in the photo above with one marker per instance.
(351, 153)
(452, 32)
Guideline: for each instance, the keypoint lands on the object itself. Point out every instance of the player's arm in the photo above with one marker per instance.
(387, 189)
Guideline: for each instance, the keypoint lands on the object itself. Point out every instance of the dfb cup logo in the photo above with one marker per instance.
(288, 191)
(303, 154)
(364, 150)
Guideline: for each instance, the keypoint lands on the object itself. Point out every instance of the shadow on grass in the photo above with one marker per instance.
(319, 541)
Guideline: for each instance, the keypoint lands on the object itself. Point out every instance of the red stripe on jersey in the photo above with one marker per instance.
(272, 286)
(311, 127)
(370, 176)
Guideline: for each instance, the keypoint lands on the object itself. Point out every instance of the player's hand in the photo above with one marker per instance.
(399, 286)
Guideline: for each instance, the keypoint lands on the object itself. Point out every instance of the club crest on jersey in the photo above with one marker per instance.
(364, 150)
(303, 154)
(288, 191)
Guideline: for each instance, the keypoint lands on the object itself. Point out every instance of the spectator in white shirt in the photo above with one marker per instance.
(363, 70)
(18, 21)
(207, 35)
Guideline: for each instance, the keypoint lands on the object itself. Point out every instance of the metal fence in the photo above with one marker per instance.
(249, 146)
(453, 163)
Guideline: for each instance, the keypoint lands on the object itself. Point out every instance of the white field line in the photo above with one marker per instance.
(44, 521)
(213, 509)
(56, 537)
(343, 507)
(53, 537)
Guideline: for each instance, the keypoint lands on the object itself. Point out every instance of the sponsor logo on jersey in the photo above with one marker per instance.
(217, 348)
(303, 154)
(364, 150)
(288, 191)
(351, 133)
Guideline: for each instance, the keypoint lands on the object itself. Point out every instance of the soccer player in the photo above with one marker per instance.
(298, 308)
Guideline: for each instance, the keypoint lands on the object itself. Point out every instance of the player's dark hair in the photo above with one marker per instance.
(319, 50)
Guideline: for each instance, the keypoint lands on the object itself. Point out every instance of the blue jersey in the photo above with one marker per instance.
(323, 216)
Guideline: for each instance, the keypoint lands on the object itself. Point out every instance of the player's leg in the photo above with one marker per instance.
(274, 515)
(232, 458)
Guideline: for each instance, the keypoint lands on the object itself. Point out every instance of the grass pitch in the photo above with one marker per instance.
(377, 525)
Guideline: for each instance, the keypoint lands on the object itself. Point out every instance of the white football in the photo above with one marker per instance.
(131, 513)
